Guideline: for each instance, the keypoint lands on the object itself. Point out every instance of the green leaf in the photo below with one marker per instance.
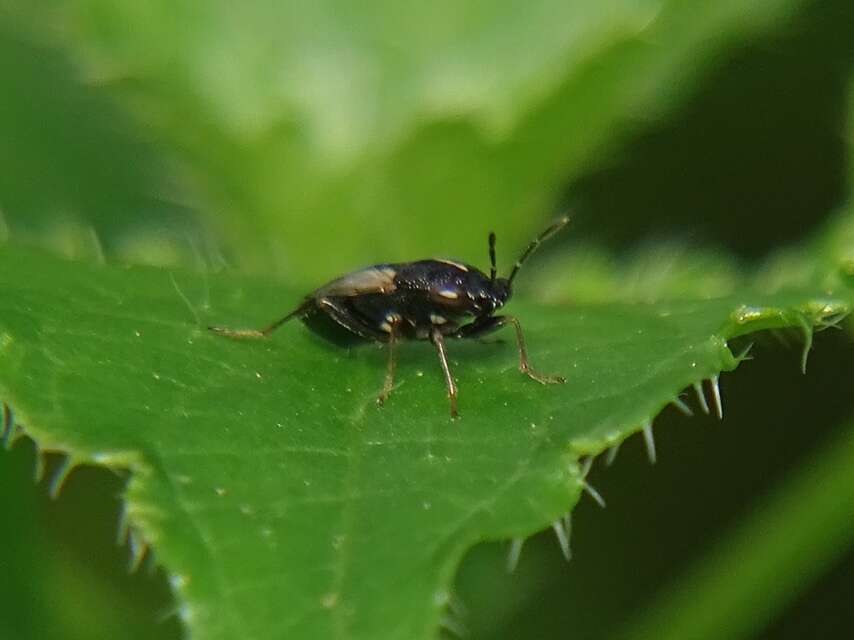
(280, 498)
(318, 120)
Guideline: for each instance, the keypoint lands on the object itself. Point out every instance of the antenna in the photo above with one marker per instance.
(545, 235)
(492, 271)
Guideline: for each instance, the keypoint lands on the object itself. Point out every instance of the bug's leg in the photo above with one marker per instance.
(483, 326)
(392, 362)
(240, 334)
(438, 340)
(524, 364)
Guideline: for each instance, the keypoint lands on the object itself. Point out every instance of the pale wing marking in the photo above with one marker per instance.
(371, 280)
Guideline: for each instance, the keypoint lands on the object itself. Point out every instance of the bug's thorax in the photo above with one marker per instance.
(457, 289)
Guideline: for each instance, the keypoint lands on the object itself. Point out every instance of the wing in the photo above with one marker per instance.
(377, 279)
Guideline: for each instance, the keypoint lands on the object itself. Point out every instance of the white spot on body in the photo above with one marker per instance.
(437, 319)
(450, 294)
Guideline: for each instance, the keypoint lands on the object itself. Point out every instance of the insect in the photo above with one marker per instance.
(422, 300)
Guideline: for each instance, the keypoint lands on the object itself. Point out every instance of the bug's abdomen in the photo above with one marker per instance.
(325, 326)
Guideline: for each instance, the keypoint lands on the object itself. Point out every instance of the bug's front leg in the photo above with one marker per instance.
(388, 385)
(483, 326)
(438, 340)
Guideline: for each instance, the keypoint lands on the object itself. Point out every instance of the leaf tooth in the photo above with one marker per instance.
(680, 404)
(716, 397)
(701, 396)
(454, 626)
(60, 475)
(806, 328)
(562, 538)
(168, 613)
(591, 491)
(38, 465)
(514, 553)
(567, 524)
(177, 582)
(586, 466)
(123, 528)
(612, 454)
(586, 486)
(138, 549)
(9, 427)
(649, 441)
(745, 353)
(186, 614)
(456, 606)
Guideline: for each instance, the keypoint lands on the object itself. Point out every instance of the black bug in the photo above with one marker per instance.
(423, 300)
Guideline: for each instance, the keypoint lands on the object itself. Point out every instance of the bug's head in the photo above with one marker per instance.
(500, 289)
(490, 295)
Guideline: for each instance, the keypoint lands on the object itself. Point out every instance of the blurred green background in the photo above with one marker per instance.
(302, 140)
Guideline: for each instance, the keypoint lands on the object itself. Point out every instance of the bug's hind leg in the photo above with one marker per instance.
(438, 340)
(252, 334)
(483, 326)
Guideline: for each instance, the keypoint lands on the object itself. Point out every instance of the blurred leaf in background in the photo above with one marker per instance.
(389, 125)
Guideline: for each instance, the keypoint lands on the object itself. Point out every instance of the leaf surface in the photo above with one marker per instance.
(281, 499)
